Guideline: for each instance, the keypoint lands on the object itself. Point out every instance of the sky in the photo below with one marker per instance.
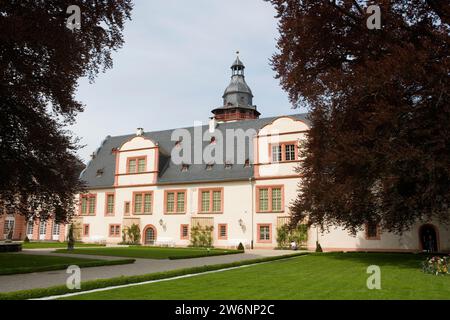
(175, 65)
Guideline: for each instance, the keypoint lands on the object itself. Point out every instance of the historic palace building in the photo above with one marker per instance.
(235, 174)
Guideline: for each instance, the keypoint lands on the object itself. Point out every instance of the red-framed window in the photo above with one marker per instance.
(222, 231)
(88, 204)
(282, 152)
(114, 230)
(136, 164)
(270, 198)
(264, 233)
(143, 202)
(210, 200)
(184, 232)
(126, 208)
(109, 204)
(372, 231)
(175, 201)
(86, 230)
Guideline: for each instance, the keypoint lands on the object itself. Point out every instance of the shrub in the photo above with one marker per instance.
(201, 236)
(318, 247)
(131, 235)
(283, 236)
(70, 238)
(241, 247)
(437, 265)
(286, 235)
(299, 234)
(26, 240)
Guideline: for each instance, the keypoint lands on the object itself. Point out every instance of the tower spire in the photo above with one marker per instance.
(237, 67)
(237, 98)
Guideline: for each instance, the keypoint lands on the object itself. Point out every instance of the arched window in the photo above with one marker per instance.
(42, 229)
(149, 234)
(56, 230)
(30, 229)
(8, 226)
(428, 237)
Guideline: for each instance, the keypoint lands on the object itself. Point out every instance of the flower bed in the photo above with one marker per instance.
(437, 265)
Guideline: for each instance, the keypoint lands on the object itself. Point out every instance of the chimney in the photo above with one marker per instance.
(212, 124)
(140, 131)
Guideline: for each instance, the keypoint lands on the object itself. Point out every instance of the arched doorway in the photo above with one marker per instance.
(149, 236)
(428, 237)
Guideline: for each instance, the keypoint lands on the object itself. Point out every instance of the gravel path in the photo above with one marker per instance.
(46, 279)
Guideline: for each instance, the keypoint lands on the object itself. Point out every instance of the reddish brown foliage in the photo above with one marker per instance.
(40, 63)
(379, 147)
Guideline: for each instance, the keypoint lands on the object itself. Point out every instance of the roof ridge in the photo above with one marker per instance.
(206, 125)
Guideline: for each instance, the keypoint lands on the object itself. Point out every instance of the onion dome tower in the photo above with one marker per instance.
(237, 98)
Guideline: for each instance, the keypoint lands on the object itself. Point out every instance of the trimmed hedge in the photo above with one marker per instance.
(62, 266)
(211, 254)
(102, 283)
(10, 247)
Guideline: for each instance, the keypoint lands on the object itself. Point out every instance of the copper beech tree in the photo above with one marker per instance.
(379, 147)
(41, 60)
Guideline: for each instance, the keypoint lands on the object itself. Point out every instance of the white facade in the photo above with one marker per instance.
(240, 210)
(239, 198)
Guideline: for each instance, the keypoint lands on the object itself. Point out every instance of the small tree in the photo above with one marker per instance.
(70, 238)
(318, 247)
(283, 234)
(287, 234)
(299, 234)
(131, 234)
(241, 247)
(201, 236)
(134, 234)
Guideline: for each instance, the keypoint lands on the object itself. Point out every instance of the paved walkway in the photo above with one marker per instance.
(46, 279)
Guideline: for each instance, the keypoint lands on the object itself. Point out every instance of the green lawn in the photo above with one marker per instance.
(315, 276)
(151, 252)
(51, 245)
(13, 263)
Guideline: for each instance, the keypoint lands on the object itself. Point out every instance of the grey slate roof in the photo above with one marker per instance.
(104, 159)
(237, 63)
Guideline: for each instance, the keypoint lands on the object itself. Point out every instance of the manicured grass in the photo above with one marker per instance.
(103, 283)
(152, 252)
(14, 263)
(51, 245)
(316, 276)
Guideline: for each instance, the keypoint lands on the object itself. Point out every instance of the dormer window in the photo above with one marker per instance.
(184, 167)
(136, 165)
(99, 172)
(286, 151)
(178, 142)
